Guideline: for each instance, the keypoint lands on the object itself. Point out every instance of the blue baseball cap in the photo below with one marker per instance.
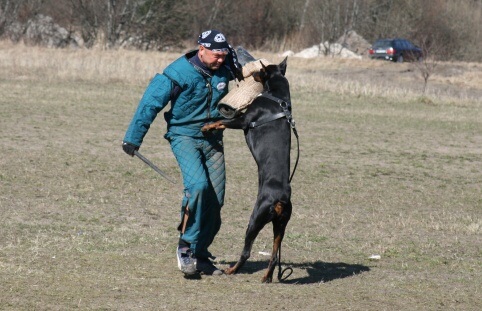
(214, 40)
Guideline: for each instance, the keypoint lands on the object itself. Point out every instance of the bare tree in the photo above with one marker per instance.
(428, 63)
(161, 24)
(8, 13)
(119, 22)
(270, 24)
(332, 19)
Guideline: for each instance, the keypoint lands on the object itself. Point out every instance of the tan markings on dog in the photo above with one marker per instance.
(278, 209)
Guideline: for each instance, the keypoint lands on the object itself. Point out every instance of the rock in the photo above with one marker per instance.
(311, 52)
(41, 30)
(288, 54)
(15, 31)
(354, 42)
(337, 50)
(326, 49)
(350, 45)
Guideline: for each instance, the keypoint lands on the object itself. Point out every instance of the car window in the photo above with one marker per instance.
(382, 44)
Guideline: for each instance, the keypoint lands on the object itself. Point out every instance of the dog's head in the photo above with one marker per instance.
(269, 75)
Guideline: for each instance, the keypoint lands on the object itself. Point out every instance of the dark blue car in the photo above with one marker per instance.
(396, 50)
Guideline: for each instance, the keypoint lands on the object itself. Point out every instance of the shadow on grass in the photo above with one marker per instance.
(318, 271)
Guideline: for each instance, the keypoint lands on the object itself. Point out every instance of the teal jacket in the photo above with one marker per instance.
(191, 109)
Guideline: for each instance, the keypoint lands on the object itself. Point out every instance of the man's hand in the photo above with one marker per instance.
(129, 148)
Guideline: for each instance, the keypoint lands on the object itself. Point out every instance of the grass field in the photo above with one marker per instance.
(383, 171)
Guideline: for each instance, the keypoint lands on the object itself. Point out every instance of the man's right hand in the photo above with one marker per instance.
(129, 148)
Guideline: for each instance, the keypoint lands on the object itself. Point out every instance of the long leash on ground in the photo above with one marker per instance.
(145, 160)
(281, 272)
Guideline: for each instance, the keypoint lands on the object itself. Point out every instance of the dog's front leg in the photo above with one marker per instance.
(245, 254)
(213, 126)
(254, 227)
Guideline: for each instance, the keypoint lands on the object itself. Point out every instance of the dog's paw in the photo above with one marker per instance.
(213, 126)
(207, 128)
(229, 271)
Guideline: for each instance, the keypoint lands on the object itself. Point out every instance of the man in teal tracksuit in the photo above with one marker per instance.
(194, 84)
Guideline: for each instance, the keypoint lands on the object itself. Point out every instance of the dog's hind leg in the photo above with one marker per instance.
(278, 231)
(283, 213)
(251, 234)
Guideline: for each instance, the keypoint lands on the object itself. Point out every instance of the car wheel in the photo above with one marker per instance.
(400, 59)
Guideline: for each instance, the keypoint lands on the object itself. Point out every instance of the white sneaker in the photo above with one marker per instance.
(186, 261)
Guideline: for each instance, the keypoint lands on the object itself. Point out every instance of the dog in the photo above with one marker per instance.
(267, 124)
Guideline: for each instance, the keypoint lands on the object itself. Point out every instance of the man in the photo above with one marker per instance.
(194, 84)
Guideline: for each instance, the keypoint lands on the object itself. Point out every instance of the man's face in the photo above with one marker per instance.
(213, 60)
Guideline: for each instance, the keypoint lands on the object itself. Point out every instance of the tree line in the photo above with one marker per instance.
(452, 26)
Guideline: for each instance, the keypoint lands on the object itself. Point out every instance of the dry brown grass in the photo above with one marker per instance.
(381, 172)
(79, 65)
(460, 82)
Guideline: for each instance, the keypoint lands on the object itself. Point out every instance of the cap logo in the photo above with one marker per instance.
(205, 34)
(219, 38)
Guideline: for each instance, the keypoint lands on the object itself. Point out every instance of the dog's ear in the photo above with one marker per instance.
(282, 66)
(260, 75)
(264, 67)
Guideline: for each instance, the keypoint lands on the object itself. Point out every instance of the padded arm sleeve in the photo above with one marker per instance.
(155, 98)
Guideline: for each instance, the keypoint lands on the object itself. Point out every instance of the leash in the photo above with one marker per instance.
(281, 272)
(286, 113)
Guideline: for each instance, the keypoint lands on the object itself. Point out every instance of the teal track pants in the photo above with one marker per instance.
(201, 161)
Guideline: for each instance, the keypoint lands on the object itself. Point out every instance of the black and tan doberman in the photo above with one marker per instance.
(267, 125)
